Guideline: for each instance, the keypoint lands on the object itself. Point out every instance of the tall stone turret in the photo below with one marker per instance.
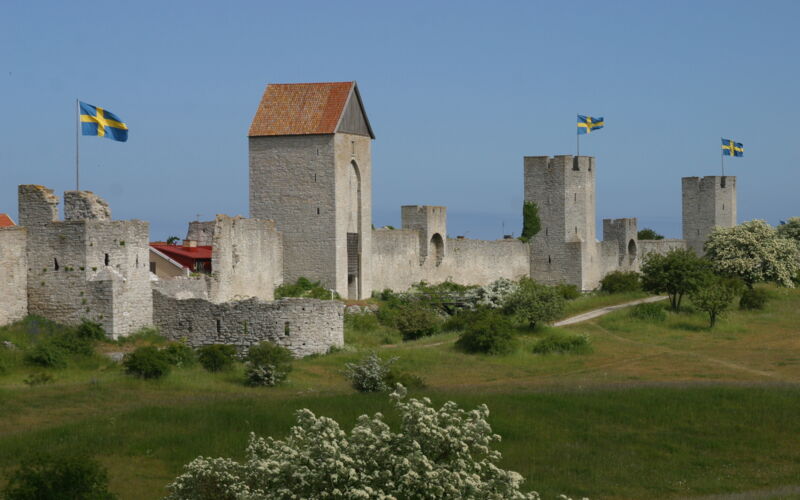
(311, 172)
(708, 202)
(564, 250)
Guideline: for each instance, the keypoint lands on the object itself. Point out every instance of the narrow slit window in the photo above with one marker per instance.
(549, 260)
(286, 329)
(107, 260)
(55, 263)
(219, 326)
(353, 148)
(317, 210)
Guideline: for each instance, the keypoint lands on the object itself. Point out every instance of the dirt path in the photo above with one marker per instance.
(595, 313)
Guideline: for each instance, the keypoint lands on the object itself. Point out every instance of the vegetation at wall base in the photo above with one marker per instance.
(621, 282)
(58, 477)
(305, 288)
(216, 357)
(268, 364)
(531, 224)
(147, 362)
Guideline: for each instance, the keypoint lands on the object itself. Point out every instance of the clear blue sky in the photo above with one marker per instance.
(457, 93)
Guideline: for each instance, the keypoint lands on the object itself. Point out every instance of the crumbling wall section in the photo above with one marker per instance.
(85, 205)
(183, 287)
(37, 205)
(13, 274)
(247, 259)
(202, 232)
(304, 326)
(660, 246)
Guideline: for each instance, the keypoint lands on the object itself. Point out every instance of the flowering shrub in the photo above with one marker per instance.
(493, 295)
(436, 453)
(369, 374)
(268, 364)
(533, 303)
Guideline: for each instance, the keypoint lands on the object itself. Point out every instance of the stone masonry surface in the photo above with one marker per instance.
(13, 274)
(304, 326)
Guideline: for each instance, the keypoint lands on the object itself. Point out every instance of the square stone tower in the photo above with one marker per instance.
(708, 202)
(431, 223)
(564, 250)
(311, 172)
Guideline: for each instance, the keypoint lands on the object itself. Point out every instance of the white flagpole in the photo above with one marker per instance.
(77, 145)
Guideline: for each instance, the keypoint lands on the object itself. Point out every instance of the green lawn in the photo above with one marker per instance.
(657, 410)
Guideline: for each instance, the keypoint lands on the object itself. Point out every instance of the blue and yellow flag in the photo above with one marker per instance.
(730, 148)
(98, 121)
(588, 123)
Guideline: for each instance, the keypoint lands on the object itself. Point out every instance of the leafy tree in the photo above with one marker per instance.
(790, 229)
(415, 321)
(533, 303)
(621, 282)
(649, 234)
(46, 477)
(675, 273)
(713, 295)
(531, 224)
(489, 332)
(173, 240)
(754, 252)
(436, 453)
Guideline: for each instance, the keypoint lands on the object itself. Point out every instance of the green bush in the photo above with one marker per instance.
(91, 331)
(488, 333)
(533, 303)
(268, 364)
(621, 281)
(559, 343)
(406, 379)
(652, 311)
(462, 319)
(304, 287)
(753, 299)
(179, 354)
(72, 342)
(146, 362)
(416, 321)
(648, 234)
(47, 354)
(40, 378)
(216, 357)
(569, 292)
(47, 477)
(531, 223)
(369, 374)
(364, 322)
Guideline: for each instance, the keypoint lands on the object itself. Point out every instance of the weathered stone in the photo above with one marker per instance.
(85, 205)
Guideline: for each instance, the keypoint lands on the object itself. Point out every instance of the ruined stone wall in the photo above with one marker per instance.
(195, 287)
(708, 202)
(246, 259)
(292, 183)
(659, 246)
(304, 326)
(396, 260)
(37, 205)
(13, 274)
(85, 205)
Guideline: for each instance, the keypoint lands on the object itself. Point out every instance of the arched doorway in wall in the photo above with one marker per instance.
(354, 271)
(631, 251)
(437, 248)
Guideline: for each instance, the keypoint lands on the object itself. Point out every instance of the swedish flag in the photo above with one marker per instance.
(588, 123)
(730, 148)
(98, 121)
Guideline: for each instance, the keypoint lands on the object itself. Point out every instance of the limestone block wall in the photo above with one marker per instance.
(13, 274)
(304, 326)
(396, 260)
(430, 222)
(660, 246)
(247, 259)
(183, 287)
(708, 202)
(623, 233)
(85, 205)
(292, 183)
(37, 205)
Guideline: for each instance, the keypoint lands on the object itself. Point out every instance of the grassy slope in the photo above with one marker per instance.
(634, 419)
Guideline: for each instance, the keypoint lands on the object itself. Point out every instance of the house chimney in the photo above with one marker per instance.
(190, 243)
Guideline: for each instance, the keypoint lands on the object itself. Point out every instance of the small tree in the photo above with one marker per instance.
(675, 273)
(649, 234)
(531, 224)
(173, 240)
(754, 252)
(489, 332)
(46, 477)
(713, 296)
(370, 373)
(436, 453)
(533, 303)
(268, 364)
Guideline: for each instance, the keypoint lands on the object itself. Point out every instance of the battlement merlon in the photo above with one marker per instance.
(431, 222)
(85, 205)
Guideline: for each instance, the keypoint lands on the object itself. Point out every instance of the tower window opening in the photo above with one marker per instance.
(55, 264)
(317, 210)
(549, 260)
(723, 206)
(219, 326)
(576, 197)
(107, 260)
(315, 177)
(576, 229)
(286, 329)
(353, 148)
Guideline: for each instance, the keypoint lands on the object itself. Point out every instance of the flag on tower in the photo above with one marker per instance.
(103, 123)
(730, 148)
(588, 123)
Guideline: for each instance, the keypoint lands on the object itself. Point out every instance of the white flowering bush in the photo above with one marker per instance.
(754, 252)
(443, 453)
(790, 229)
(369, 374)
(263, 375)
(492, 295)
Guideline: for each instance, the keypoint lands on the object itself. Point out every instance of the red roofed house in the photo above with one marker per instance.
(5, 221)
(311, 172)
(169, 261)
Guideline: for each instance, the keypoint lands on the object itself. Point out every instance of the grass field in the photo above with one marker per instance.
(656, 410)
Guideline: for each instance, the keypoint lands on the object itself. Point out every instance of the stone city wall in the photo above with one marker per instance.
(189, 287)
(396, 260)
(660, 246)
(13, 274)
(304, 326)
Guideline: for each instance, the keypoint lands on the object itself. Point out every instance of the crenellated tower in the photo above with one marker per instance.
(708, 202)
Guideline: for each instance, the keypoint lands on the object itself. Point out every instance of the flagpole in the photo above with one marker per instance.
(578, 140)
(77, 145)
(722, 160)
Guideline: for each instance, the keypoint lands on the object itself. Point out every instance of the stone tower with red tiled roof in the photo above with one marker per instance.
(311, 172)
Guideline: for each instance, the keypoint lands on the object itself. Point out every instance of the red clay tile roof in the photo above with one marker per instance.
(300, 108)
(5, 221)
(198, 252)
